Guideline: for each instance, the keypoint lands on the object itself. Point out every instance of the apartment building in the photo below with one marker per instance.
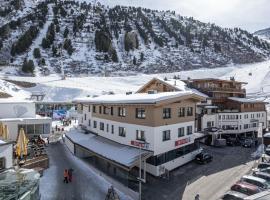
(227, 107)
(165, 121)
(218, 90)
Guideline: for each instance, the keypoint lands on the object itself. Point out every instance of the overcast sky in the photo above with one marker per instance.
(251, 15)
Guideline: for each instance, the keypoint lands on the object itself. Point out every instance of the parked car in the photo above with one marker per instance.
(203, 158)
(233, 195)
(265, 170)
(262, 175)
(233, 141)
(263, 165)
(267, 150)
(255, 181)
(245, 188)
(248, 143)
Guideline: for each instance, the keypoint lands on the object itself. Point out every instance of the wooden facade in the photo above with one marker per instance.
(158, 86)
(245, 106)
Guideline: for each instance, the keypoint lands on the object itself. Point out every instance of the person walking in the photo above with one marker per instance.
(197, 197)
(70, 172)
(65, 176)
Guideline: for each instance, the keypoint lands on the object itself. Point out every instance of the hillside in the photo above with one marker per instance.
(42, 37)
(265, 33)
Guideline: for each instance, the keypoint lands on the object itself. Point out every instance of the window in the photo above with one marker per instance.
(105, 110)
(84, 116)
(189, 130)
(89, 108)
(166, 113)
(190, 111)
(89, 122)
(107, 128)
(121, 111)
(171, 155)
(101, 126)
(111, 110)
(122, 131)
(140, 113)
(94, 109)
(95, 124)
(245, 126)
(100, 109)
(181, 112)
(166, 135)
(181, 132)
(140, 135)
(112, 129)
(209, 124)
(2, 163)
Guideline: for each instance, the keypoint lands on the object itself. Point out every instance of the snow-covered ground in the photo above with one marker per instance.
(256, 75)
(13, 90)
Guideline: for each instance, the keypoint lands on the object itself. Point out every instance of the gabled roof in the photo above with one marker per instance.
(176, 84)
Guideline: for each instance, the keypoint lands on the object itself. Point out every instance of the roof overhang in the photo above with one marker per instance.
(123, 156)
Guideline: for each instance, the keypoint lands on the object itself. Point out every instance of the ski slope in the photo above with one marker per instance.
(256, 75)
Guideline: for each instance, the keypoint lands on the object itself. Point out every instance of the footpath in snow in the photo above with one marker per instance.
(86, 185)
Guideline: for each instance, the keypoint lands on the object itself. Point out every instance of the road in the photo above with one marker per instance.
(86, 185)
(211, 181)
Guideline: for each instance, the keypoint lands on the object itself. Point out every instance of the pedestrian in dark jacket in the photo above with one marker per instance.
(66, 176)
(70, 172)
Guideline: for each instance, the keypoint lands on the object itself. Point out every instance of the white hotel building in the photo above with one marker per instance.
(22, 114)
(157, 114)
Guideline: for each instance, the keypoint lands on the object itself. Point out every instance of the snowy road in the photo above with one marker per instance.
(86, 185)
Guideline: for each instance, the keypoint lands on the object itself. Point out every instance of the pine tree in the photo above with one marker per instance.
(66, 31)
(134, 60)
(36, 53)
(114, 56)
(28, 66)
(141, 57)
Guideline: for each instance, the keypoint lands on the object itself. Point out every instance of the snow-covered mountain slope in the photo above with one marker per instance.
(265, 33)
(87, 39)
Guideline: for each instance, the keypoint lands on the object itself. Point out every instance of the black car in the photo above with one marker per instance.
(203, 158)
(248, 143)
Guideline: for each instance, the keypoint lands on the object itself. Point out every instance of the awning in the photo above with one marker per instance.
(120, 154)
(199, 136)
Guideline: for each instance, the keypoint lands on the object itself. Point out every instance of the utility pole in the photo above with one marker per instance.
(140, 179)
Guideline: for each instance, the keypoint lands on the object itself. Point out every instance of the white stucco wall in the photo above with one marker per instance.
(259, 117)
(17, 109)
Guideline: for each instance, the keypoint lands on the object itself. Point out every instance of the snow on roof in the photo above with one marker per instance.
(215, 79)
(180, 85)
(38, 117)
(135, 98)
(13, 100)
(122, 154)
(245, 100)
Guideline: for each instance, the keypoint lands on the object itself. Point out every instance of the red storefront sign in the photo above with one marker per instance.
(182, 141)
(139, 144)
